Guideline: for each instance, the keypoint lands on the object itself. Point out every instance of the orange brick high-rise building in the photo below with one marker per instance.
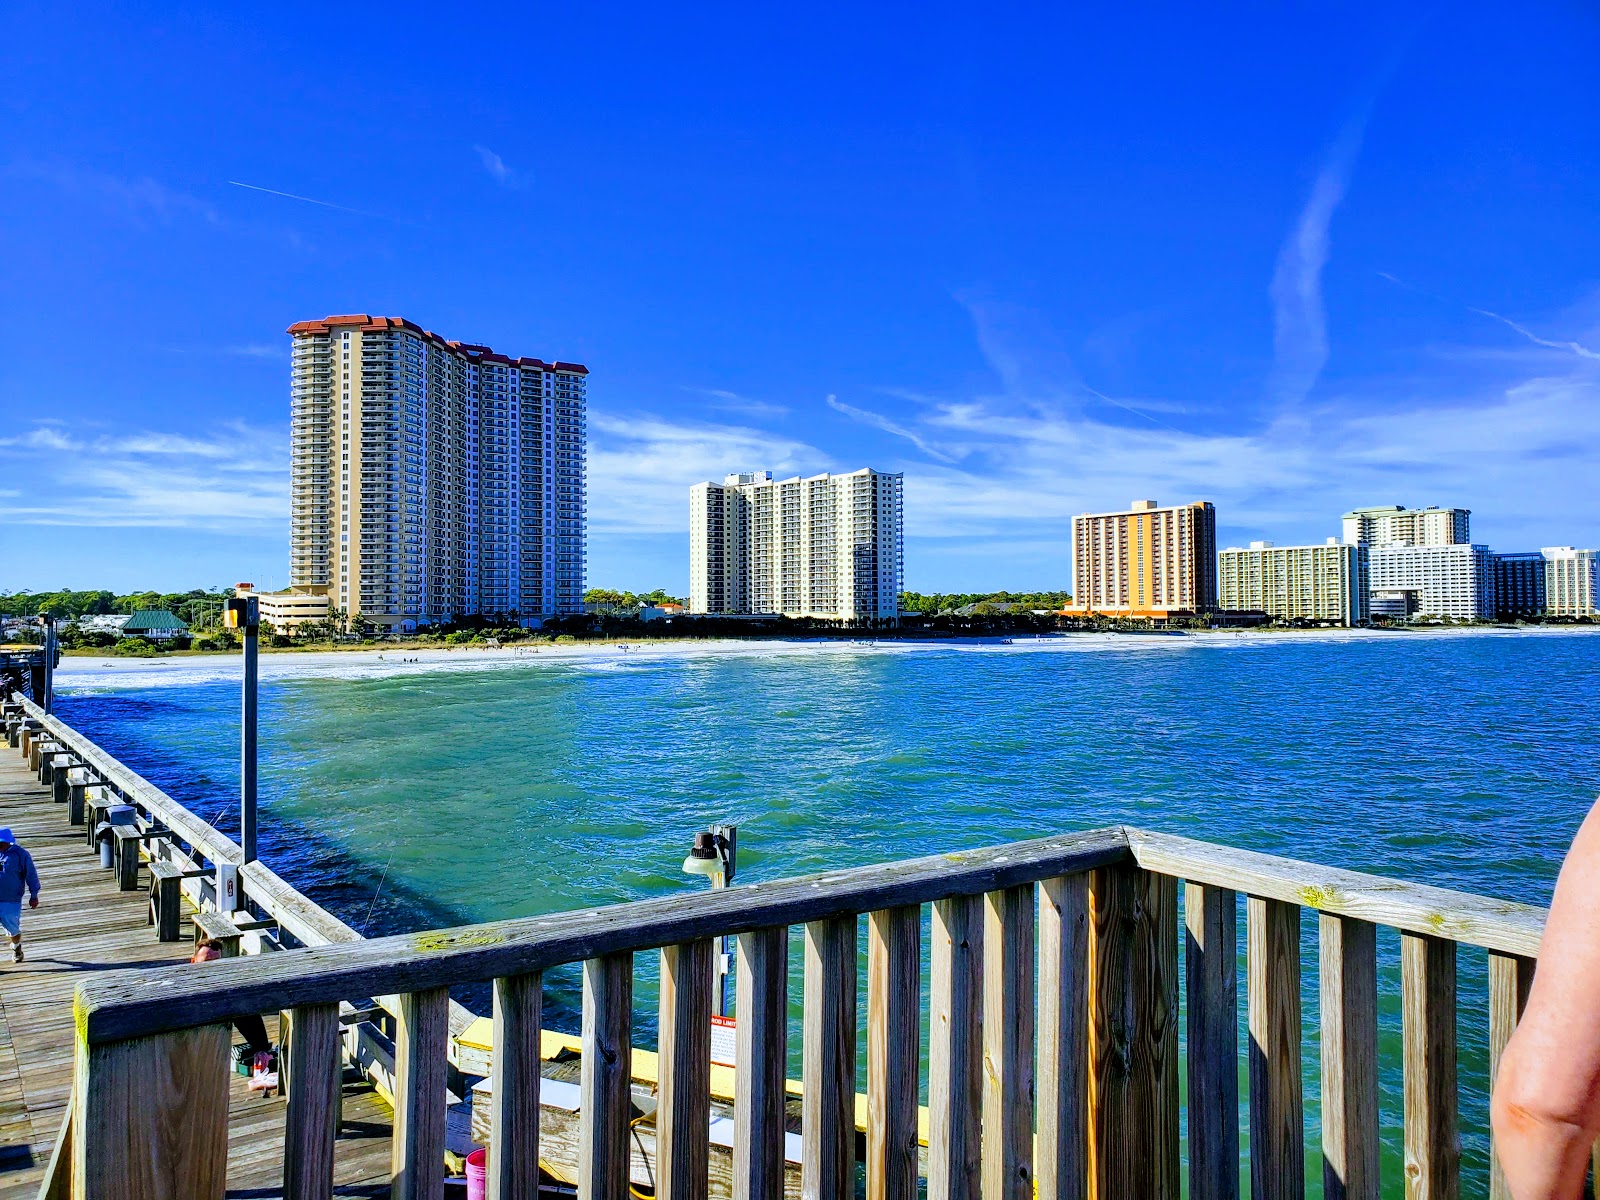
(1149, 561)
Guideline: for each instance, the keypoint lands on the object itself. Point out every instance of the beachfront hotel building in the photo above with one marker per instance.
(433, 479)
(1148, 561)
(1519, 584)
(1395, 525)
(1572, 581)
(828, 546)
(1324, 584)
(1453, 581)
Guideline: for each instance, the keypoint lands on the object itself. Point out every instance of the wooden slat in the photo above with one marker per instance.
(1211, 919)
(762, 1054)
(683, 1105)
(1008, 1000)
(1277, 1114)
(514, 1080)
(1132, 1120)
(1501, 925)
(1510, 977)
(140, 1140)
(311, 1118)
(894, 970)
(955, 1050)
(1348, 975)
(828, 1119)
(606, 1078)
(1062, 1085)
(1428, 1022)
(420, 1037)
(130, 1004)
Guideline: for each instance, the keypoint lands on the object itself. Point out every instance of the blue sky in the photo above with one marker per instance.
(1287, 258)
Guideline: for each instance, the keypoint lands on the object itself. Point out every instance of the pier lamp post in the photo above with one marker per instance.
(242, 611)
(47, 700)
(715, 855)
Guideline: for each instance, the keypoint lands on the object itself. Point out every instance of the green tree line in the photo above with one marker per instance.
(628, 599)
(938, 602)
(192, 606)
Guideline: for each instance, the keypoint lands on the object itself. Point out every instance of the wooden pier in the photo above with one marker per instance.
(85, 926)
(1054, 1066)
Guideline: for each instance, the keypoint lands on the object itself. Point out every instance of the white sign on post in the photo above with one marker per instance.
(724, 1042)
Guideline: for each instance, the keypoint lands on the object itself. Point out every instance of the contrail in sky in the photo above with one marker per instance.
(302, 199)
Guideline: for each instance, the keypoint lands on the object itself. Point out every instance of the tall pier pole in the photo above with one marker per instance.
(48, 700)
(243, 613)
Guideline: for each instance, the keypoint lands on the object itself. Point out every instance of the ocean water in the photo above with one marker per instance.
(425, 796)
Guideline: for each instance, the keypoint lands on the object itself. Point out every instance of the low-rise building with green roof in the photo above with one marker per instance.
(157, 624)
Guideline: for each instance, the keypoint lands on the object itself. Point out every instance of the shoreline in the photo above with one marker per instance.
(81, 672)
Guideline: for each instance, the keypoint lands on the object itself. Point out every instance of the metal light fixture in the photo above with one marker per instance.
(705, 857)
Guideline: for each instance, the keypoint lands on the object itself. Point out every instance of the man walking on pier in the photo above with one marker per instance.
(17, 874)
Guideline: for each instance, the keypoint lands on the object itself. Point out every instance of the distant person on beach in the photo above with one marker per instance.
(1546, 1108)
(17, 874)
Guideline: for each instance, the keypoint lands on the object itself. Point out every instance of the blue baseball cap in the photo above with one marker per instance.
(6, 836)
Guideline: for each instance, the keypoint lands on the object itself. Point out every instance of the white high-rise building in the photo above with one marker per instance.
(1394, 525)
(434, 479)
(828, 546)
(1326, 583)
(1449, 581)
(1571, 581)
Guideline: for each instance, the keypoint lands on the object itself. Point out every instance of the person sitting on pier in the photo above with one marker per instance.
(17, 874)
(1546, 1107)
(252, 1028)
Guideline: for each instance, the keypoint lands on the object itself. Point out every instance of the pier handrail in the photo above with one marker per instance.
(128, 1004)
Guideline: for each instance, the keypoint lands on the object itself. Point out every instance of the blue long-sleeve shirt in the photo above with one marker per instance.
(17, 874)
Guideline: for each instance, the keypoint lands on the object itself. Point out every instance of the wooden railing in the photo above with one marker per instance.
(1053, 1051)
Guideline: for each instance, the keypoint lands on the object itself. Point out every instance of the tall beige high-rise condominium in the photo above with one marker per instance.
(434, 479)
(1572, 581)
(1148, 561)
(828, 546)
(1396, 525)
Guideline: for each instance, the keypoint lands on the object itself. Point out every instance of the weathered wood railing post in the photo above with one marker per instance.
(1277, 1107)
(955, 1050)
(607, 1077)
(763, 1050)
(683, 1107)
(150, 1116)
(1348, 976)
(894, 1035)
(1211, 920)
(828, 1120)
(421, 1040)
(311, 1121)
(1428, 1021)
(1510, 977)
(1062, 1087)
(1133, 1041)
(514, 1083)
(1008, 1058)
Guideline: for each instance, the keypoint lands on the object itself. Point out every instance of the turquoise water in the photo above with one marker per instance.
(1465, 761)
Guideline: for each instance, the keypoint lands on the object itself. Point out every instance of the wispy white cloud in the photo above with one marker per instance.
(879, 421)
(257, 350)
(139, 199)
(722, 400)
(496, 166)
(232, 479)
(641, 468)
(1577, 348)
(1300, 327)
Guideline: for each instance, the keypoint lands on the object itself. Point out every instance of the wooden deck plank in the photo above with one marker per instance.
(84, 925)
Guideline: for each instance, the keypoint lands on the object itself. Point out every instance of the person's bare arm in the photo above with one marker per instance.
(1546, 1108)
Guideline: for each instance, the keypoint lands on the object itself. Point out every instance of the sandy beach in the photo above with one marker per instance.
(85, 672)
